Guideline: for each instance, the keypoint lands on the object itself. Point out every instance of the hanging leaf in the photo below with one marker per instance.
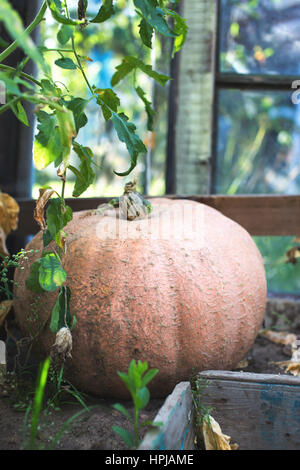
(60, 316)
(51, 273)
(66, 63)
(85, 175)
(45, 195)
(77, 106)
(47, 145)
(65, 33)
(154, 15)
(67, 131)
(126, 133)
(148, 108)
(20, 112)
(57, 215)
(108, 100)
(32, 282)
(146, 33)
(105, 12)
(129, 64)
(57, 13)
(180, 28)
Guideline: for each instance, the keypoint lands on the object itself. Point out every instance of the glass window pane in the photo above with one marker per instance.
(282, 277)
(105, 45)
(258, 143)
(259, 152)
(260, 36)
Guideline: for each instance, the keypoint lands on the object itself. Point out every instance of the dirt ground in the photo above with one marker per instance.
(93, 430)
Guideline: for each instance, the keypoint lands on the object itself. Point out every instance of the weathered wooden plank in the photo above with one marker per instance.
(251, 377)
(259, 412)
(176, 432)
(259, 215)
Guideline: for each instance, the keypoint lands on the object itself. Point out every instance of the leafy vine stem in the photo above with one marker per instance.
(60, 116)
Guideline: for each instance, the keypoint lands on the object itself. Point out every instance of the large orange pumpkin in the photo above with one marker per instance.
(184, 289)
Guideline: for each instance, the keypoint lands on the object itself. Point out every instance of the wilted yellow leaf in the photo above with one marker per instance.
(213, 437)
(5, 307)
(38, 214)
(9, 216)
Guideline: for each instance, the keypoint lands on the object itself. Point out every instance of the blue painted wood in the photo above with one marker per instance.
(176, 432)
(259, 412)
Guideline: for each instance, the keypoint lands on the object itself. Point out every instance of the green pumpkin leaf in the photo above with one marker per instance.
(129, 64)
(105, 12)
(77, 106)
(66, 63)
(125, 435)
(51, 273)
(148, 108)
(67, 131)
(60, 316)
(65, 33)
(180, 28)
(146, 33)
(85, 175)
(32, 282)
(126, 134)
(47, 238)
(57, 13)
(20, 112)
(47, 145)
(154, 15)
(108, 100)
(57, 216)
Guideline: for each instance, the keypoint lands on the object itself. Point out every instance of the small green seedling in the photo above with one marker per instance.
(135, 381)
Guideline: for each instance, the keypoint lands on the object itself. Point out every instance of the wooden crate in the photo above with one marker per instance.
(258, 411)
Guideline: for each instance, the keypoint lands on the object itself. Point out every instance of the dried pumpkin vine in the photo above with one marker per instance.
(60, 117)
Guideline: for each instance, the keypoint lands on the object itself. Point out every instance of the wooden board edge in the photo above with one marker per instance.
(283, 379)
(176, 432)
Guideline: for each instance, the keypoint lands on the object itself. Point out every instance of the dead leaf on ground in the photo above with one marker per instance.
(293, 254)
(45, 195)
(280, 337)
(213, 437)
(242, 364)
(293, 365)
(5, 307)
(9, 217)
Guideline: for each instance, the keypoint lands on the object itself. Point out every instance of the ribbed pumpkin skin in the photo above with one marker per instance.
(182, 305)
